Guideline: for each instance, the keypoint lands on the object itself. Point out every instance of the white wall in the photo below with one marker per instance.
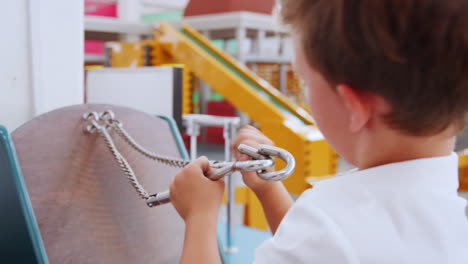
(57, 30)
(15, 95)
(148, 89)
(41, 58)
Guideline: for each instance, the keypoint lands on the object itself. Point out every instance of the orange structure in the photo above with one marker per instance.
(205, 7)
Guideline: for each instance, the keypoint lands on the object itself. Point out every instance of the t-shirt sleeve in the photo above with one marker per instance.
(306, 235)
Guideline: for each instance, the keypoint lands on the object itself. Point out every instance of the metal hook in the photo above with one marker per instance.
(248, 165)
(107, 115)
(88, 116)
(265, 152)
(93, 117)
(287, 157)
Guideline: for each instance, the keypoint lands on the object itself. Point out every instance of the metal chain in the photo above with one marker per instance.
(174, 162)
(123, 164)
(111, 123)
(109, 118)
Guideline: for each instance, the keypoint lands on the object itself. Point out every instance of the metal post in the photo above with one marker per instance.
(253, 67)
(230, 125)
(225, 45)
(281, 45)
(283, 78)
(193, 129)
(129, 11)
(227, 134)
(260, 39)
(240, 41)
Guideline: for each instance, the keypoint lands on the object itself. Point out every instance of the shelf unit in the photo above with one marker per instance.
(113, 29)
(114, 25)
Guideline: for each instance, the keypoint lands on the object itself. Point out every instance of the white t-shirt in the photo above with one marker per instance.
(406, 213)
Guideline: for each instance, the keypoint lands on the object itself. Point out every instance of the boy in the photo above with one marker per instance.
(388, 83)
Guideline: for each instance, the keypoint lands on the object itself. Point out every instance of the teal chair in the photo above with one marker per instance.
(20, 239)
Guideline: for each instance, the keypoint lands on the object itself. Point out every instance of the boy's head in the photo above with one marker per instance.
(402, 64)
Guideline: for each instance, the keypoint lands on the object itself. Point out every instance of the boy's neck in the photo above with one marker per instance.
(396, 147)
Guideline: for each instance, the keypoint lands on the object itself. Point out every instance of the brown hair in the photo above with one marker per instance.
(414, 53)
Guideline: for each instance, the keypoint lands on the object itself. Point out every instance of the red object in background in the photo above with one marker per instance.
(205, 7)
(186, 139)
(215, 134)
(104, 8)
(94, 47)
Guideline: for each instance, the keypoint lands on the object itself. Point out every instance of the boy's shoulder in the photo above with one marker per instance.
(378, 212)
(369, 200)
(414, 175)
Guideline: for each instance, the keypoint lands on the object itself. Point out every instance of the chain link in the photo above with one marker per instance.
(174, 162)
(123, 164)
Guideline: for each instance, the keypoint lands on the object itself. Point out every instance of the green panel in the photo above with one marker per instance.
(231, 45)
(166, 16)
(244, 78)
(217, 97)
(196, 97)
(20, 239)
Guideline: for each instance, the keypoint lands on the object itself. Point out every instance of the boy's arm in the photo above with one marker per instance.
(273, 196)
(200, 243)
(276, 202)
(197, 200)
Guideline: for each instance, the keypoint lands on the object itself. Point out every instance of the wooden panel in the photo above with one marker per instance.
(85, 207)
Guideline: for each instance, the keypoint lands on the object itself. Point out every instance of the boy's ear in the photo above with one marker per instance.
(358, 106)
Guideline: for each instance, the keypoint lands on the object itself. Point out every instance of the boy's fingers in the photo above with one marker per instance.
(243, 157)
(200, 165)
(205, 165)
(245, 135)
(249, 127)
(202, 162)
(253, 139)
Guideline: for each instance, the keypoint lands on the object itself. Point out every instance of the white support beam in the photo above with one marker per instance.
(57, 53)
(258, 42)
(166, 4)
(113, 25)
(15, 76)
(129, 11)
(241, 37)
(42, 58)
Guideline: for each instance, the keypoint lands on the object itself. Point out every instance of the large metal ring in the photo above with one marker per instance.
(287, 157)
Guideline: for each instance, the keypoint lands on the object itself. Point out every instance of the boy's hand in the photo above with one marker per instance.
(251, 136)
(194, 195)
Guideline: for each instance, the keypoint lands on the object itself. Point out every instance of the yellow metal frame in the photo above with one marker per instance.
(463, 170)
(304, 116)
(127, 54)
(253, 213)
(187, 88)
